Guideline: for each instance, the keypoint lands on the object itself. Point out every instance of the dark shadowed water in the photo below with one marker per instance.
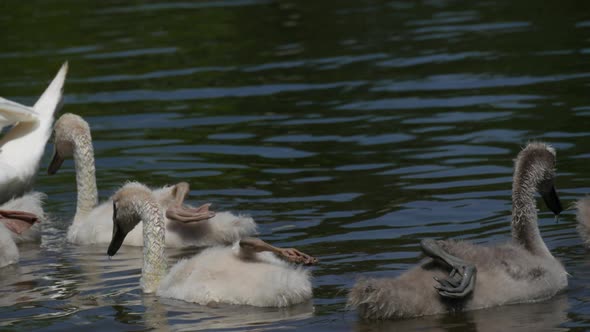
(350, 129)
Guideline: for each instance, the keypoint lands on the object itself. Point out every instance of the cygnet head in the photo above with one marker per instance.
(68, 129)
(127, 203)
(535, 171)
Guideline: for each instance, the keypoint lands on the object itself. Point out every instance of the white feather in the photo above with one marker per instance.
(219, 274)
(233, 275)
(32, 128)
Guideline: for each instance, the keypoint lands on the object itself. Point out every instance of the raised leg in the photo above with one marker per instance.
(17, 221)
(182, 213)
(292, 255)
(461, 279)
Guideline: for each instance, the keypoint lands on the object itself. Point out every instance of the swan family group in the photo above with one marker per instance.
(236, 268)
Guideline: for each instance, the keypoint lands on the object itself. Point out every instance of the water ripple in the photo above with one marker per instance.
(351, 130)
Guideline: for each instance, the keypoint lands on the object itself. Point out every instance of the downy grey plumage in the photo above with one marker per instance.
(522, 270)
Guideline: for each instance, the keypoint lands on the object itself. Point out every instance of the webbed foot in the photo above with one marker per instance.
(187, 214)
(17, 221)
(180, 212)
(461, 279)
(458, 284)
(295, 256)
(289, 254)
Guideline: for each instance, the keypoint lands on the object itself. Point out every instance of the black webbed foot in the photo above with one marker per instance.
(458, 284)
(461, 279)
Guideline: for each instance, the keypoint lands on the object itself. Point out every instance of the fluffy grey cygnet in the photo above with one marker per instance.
(522, 270)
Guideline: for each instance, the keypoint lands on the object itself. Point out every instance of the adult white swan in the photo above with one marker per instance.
(22, 147)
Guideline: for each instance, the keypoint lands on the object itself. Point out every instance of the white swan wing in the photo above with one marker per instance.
(10, 183)
(11, 113)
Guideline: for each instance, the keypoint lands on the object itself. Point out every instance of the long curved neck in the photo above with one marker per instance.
(525, 228)
(154, 243)
(85, 175)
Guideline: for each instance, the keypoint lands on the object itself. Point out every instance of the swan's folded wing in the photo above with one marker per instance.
(11, 113)
(10, 182)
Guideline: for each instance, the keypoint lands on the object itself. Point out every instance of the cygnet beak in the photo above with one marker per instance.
(118, 235)
(55, 163)
(552, 200)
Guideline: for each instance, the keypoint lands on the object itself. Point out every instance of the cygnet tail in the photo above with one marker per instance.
(51, 99)
(410, 295)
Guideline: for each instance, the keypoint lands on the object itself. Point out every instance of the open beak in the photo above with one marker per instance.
(552, 201)
(118, 235)
(55, 163)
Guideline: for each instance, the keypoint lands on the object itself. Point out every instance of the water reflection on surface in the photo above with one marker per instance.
(528, 317)
(350, 129)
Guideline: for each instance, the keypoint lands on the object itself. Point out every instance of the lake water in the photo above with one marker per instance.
(348, 129)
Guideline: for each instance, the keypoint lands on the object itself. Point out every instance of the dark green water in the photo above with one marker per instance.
(349, 129)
